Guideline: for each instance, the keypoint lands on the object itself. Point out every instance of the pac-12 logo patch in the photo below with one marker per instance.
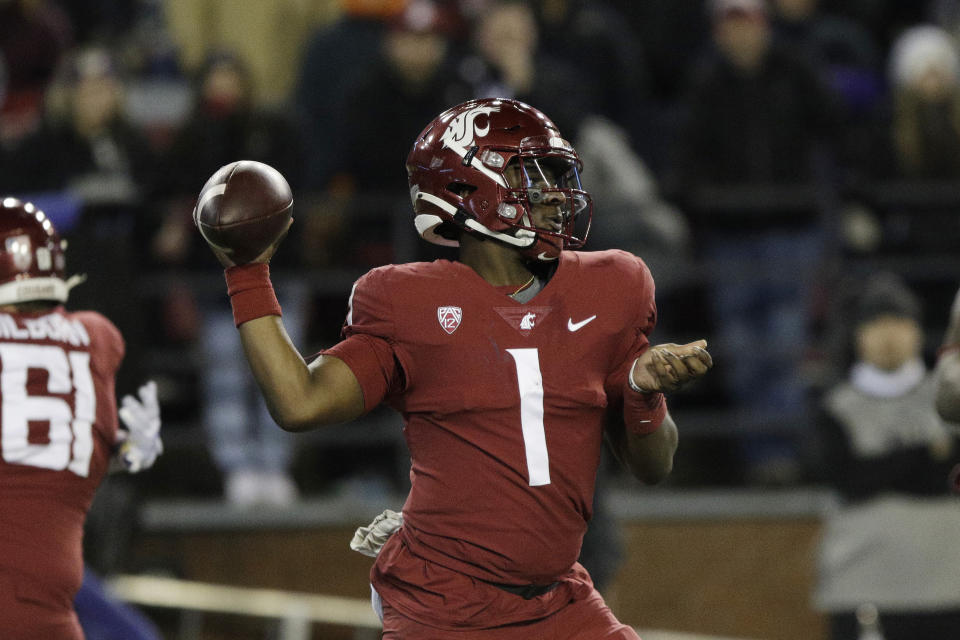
(449, 318)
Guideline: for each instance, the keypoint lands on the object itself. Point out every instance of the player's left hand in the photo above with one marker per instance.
(140, 444)
(667, 367)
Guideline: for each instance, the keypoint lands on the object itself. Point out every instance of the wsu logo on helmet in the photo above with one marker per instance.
(460, 134)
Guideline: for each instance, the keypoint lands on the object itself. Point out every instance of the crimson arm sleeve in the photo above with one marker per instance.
(646, 440)
(372, 361)
(642, 412)
(368, 344)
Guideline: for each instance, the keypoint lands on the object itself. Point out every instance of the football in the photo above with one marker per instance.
(243, 208)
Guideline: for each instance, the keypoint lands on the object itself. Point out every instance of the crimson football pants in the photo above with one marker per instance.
(588, 619)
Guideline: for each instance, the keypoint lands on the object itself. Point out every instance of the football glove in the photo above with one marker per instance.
(140, 444)
(370, 539)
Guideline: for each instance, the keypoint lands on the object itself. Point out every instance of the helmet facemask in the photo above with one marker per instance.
(545, 201)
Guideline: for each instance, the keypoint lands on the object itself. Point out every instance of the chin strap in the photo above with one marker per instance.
(31, 289)
(74, 280)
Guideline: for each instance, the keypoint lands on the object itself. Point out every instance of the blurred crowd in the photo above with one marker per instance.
(762, 156)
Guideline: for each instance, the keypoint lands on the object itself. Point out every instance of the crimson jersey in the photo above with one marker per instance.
(58, 424)
(504, 407)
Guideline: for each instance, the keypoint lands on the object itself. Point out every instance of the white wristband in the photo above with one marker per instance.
(630, 379)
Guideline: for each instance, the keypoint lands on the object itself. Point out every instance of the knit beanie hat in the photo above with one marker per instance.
(886, 294)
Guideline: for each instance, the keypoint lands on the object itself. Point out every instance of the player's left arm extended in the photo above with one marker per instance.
(647, 440)
(648, 456)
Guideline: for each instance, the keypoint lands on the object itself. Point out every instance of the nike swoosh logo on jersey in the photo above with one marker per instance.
(576, 326)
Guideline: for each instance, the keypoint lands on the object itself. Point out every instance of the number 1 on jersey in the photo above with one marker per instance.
(530, 383)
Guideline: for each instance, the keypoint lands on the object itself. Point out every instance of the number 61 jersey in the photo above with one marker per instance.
(58, 424)
(503, 402)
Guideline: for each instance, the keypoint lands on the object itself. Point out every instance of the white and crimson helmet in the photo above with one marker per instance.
(32, 261)
(457, 179)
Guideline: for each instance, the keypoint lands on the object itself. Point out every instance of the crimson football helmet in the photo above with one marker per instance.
(481, 166)
(32, 258)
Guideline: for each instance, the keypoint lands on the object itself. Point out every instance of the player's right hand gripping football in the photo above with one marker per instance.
(228, 262)
(667, 367)
(140, 443)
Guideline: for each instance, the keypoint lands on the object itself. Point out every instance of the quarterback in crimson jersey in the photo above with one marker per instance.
(58, 427)
(503, 364)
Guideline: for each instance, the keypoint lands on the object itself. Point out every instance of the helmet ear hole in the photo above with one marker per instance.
(448, 231)
(461, 189)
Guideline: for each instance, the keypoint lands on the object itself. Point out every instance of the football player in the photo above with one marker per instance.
(58, 426)
(503, 364)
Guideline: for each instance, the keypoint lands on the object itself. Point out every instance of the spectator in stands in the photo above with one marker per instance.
(913, 148)
(846, 49)
(596, 39)
(506, 60)
(86, 142)
(92, 171)
(746, 164)
(755, 109)
(846, 55)
(892, 542)
(387, 108)
(267, 36)
(924, 133)
(636, 217)
(884, 19)
(672, 34)
(253, 455)
(513, 45)
(407, 81)
(334, 56)
(34, 36)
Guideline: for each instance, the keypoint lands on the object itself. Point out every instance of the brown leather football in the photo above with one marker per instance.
(243, 208)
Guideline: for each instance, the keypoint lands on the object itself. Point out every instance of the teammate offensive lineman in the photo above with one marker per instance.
(58, 427)
(503, 364)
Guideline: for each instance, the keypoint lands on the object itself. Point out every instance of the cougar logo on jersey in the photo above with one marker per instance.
(460, 135)
(524, 319)
(449, 318)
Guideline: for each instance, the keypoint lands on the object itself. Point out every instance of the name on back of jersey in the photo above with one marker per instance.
(50, 327)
